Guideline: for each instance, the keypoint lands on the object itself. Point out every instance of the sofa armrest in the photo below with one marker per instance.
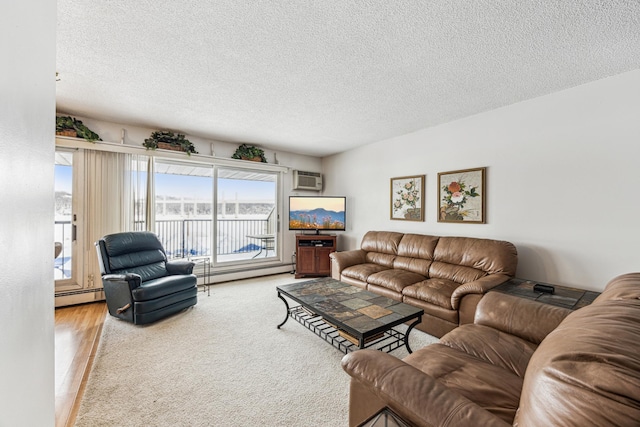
(480, 286)
(342, 260)
(132, 280)
(180, 266)
(414, 395)
(524, 318)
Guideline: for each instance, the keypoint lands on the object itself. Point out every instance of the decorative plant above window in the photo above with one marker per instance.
(249, 152)
(167, 140)
(68, 126)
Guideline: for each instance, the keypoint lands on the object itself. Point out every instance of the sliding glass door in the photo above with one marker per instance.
(243, 227)
(246, 216)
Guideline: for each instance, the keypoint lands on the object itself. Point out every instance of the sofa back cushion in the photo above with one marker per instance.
(465, 259)
(135, 252)
(381, 247)
(587, 371)
(415, 253)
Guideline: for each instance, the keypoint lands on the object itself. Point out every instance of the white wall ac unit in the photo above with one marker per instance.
(307, 180)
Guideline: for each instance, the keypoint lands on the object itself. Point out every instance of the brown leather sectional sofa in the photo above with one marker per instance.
(521, 363)
(444, 276)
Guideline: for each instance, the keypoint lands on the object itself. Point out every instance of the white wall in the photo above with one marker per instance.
(27, 109)
(562, 180)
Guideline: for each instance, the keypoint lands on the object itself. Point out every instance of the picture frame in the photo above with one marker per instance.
(461, 196)
(407, 198)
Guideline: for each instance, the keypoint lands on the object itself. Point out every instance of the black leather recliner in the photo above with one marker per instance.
(140, 285)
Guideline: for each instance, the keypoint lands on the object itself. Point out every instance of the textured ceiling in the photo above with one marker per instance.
(321, 77)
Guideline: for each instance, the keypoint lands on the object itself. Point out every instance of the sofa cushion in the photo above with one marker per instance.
(492, 387)
(395, 279)
(458, 274)
(492, 346)
(486, 255)
(385, 260)
(434, 291)
(363, 271)
(418, 246)
(130, 242)
(415, 265)
(147, 271)
(385, 242)
(163, 286)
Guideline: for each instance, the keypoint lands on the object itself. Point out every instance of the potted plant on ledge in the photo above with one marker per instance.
(167, 140)
(68, 126)
(249, 152)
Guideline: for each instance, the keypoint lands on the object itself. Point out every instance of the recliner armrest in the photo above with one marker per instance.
(342, 260)
(131, 279)
(413, 394)
(180, 266)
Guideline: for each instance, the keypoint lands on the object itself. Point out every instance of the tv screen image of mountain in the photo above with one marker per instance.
(317, 213)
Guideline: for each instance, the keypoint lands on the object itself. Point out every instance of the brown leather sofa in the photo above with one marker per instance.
(444, 276)
(521, 363)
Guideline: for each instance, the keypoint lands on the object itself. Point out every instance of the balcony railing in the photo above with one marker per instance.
(193, 237)
(63, 233)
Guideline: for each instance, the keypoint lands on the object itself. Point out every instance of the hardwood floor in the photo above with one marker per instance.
(77, 332)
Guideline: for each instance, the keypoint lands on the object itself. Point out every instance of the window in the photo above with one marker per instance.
(241, 229)
(222, 210)
(246, 215)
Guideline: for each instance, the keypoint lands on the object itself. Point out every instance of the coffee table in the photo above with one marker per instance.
(348, 317)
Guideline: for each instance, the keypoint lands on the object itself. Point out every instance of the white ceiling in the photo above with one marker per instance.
(320, 77)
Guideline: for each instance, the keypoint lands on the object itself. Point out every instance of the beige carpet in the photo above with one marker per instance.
(222, 362)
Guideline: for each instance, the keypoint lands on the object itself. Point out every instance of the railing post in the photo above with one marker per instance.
(184, 232)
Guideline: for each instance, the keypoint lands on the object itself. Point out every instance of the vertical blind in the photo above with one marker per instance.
(113, 183)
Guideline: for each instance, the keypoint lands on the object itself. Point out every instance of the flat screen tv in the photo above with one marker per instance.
(319, 213)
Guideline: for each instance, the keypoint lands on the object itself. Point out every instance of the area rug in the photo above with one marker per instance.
(222, 362)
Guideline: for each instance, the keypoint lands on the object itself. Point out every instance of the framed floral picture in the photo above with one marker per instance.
(461, 196)
(407, 198)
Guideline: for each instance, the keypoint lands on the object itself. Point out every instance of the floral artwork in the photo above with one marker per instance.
(461, 196)
(407, 198)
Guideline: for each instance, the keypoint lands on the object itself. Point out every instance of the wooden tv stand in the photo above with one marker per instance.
(312, 254)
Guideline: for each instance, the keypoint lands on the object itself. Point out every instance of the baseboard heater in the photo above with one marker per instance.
(78, 292)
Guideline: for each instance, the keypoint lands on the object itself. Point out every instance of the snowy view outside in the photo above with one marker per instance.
(184, 214)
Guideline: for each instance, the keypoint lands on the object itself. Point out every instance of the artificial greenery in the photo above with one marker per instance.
(248, 152)
(170, 138)
(69, 123)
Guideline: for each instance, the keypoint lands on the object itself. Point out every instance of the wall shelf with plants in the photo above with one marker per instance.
(69, 126)
(167, 140)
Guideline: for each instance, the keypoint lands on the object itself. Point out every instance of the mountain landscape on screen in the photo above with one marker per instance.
(316, 219)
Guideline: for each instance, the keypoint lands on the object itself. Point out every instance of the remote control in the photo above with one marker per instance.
(547, 289)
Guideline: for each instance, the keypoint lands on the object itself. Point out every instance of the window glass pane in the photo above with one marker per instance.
(63, 188)
(246, 215)
(183, 214)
